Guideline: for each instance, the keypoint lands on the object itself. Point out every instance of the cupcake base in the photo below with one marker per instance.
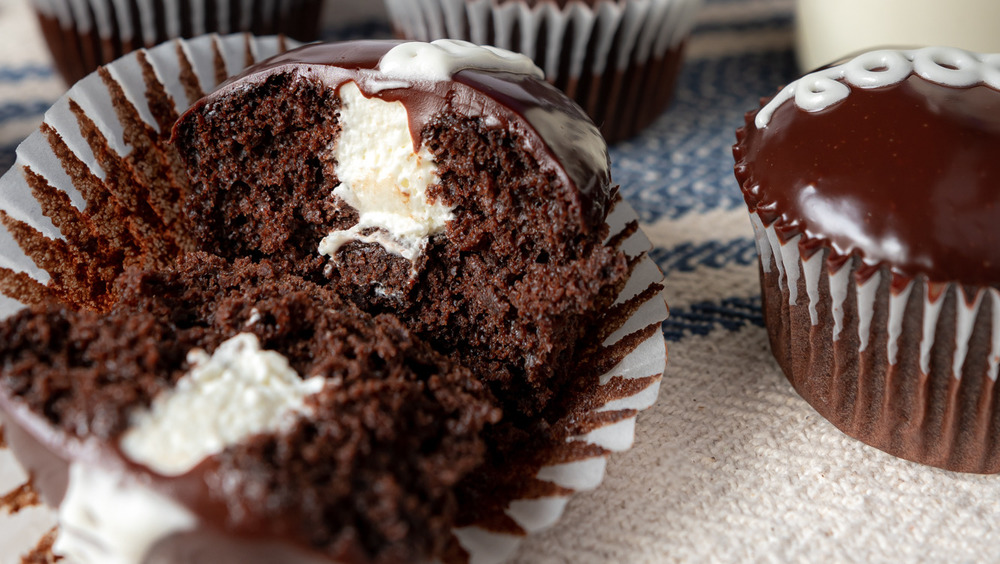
(903, 365)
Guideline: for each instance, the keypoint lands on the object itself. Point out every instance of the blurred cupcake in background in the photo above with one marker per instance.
(618, 59)
(83, 34)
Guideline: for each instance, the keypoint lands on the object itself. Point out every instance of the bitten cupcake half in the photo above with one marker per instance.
(874, 191)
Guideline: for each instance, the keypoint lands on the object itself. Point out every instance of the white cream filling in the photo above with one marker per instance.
(107, 518)
(238, 391)
(384, 177)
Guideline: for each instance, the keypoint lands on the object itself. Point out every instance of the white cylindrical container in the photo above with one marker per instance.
(827, 30)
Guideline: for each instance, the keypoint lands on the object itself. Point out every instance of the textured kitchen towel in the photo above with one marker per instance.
(730, 465)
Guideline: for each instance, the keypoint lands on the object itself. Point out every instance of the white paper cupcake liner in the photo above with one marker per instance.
(617, 59)
(108, 122)
(906, 365)
(85, 33)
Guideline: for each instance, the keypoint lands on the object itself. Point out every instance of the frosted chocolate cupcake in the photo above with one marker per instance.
(617, 59)
(85, 34)
(98, 193)
(873, 189)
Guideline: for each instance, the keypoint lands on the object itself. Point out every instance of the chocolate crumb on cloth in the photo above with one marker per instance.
(873, 190)
(532, 462)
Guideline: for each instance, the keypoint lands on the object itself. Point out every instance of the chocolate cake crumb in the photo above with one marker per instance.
(19, 498)
(42, 553)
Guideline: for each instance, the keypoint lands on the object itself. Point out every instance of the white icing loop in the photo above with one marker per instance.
(991, 70)
(946, 66)
(877, 68)
(815, 92)
(439, 60)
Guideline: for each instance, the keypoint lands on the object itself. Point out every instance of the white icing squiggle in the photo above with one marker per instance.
(439, 60)
(946, 66)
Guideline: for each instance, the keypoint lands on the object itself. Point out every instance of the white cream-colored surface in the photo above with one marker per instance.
(238, 391)
(440, 59)
(384, 178)
(108, 519)
(830, 29)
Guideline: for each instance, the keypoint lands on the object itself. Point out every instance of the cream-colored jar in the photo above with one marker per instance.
(829, 29)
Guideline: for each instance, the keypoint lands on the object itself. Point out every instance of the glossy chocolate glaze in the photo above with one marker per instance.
(555, 128)
(905, 175)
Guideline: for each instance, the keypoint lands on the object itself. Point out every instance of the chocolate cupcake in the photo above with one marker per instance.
(617, 59)
(99, 199)
(84, 35)
(874, 191)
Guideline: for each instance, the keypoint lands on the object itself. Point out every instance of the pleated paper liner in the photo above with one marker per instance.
(905, 365)
(82, 34)
(97, 188)
(618, 59)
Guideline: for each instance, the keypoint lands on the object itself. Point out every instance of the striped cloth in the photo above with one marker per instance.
(730, 465)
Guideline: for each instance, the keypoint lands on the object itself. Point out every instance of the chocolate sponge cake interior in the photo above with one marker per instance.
(445, 182)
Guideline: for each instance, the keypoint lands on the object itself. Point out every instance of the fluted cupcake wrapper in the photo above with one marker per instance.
(618, 60)
(903, 364)
(82, 34)
(96, 189)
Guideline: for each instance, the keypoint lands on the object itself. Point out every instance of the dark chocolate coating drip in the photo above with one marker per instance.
(906, 175)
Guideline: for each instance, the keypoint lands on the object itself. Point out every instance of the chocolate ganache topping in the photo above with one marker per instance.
(894, 156)
(483, 81)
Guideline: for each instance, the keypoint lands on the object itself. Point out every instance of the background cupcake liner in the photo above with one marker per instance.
(905, 365)
(108, 133)
(83, 34)
(617, 59)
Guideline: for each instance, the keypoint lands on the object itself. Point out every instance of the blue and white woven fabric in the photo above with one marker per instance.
(730, 465)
